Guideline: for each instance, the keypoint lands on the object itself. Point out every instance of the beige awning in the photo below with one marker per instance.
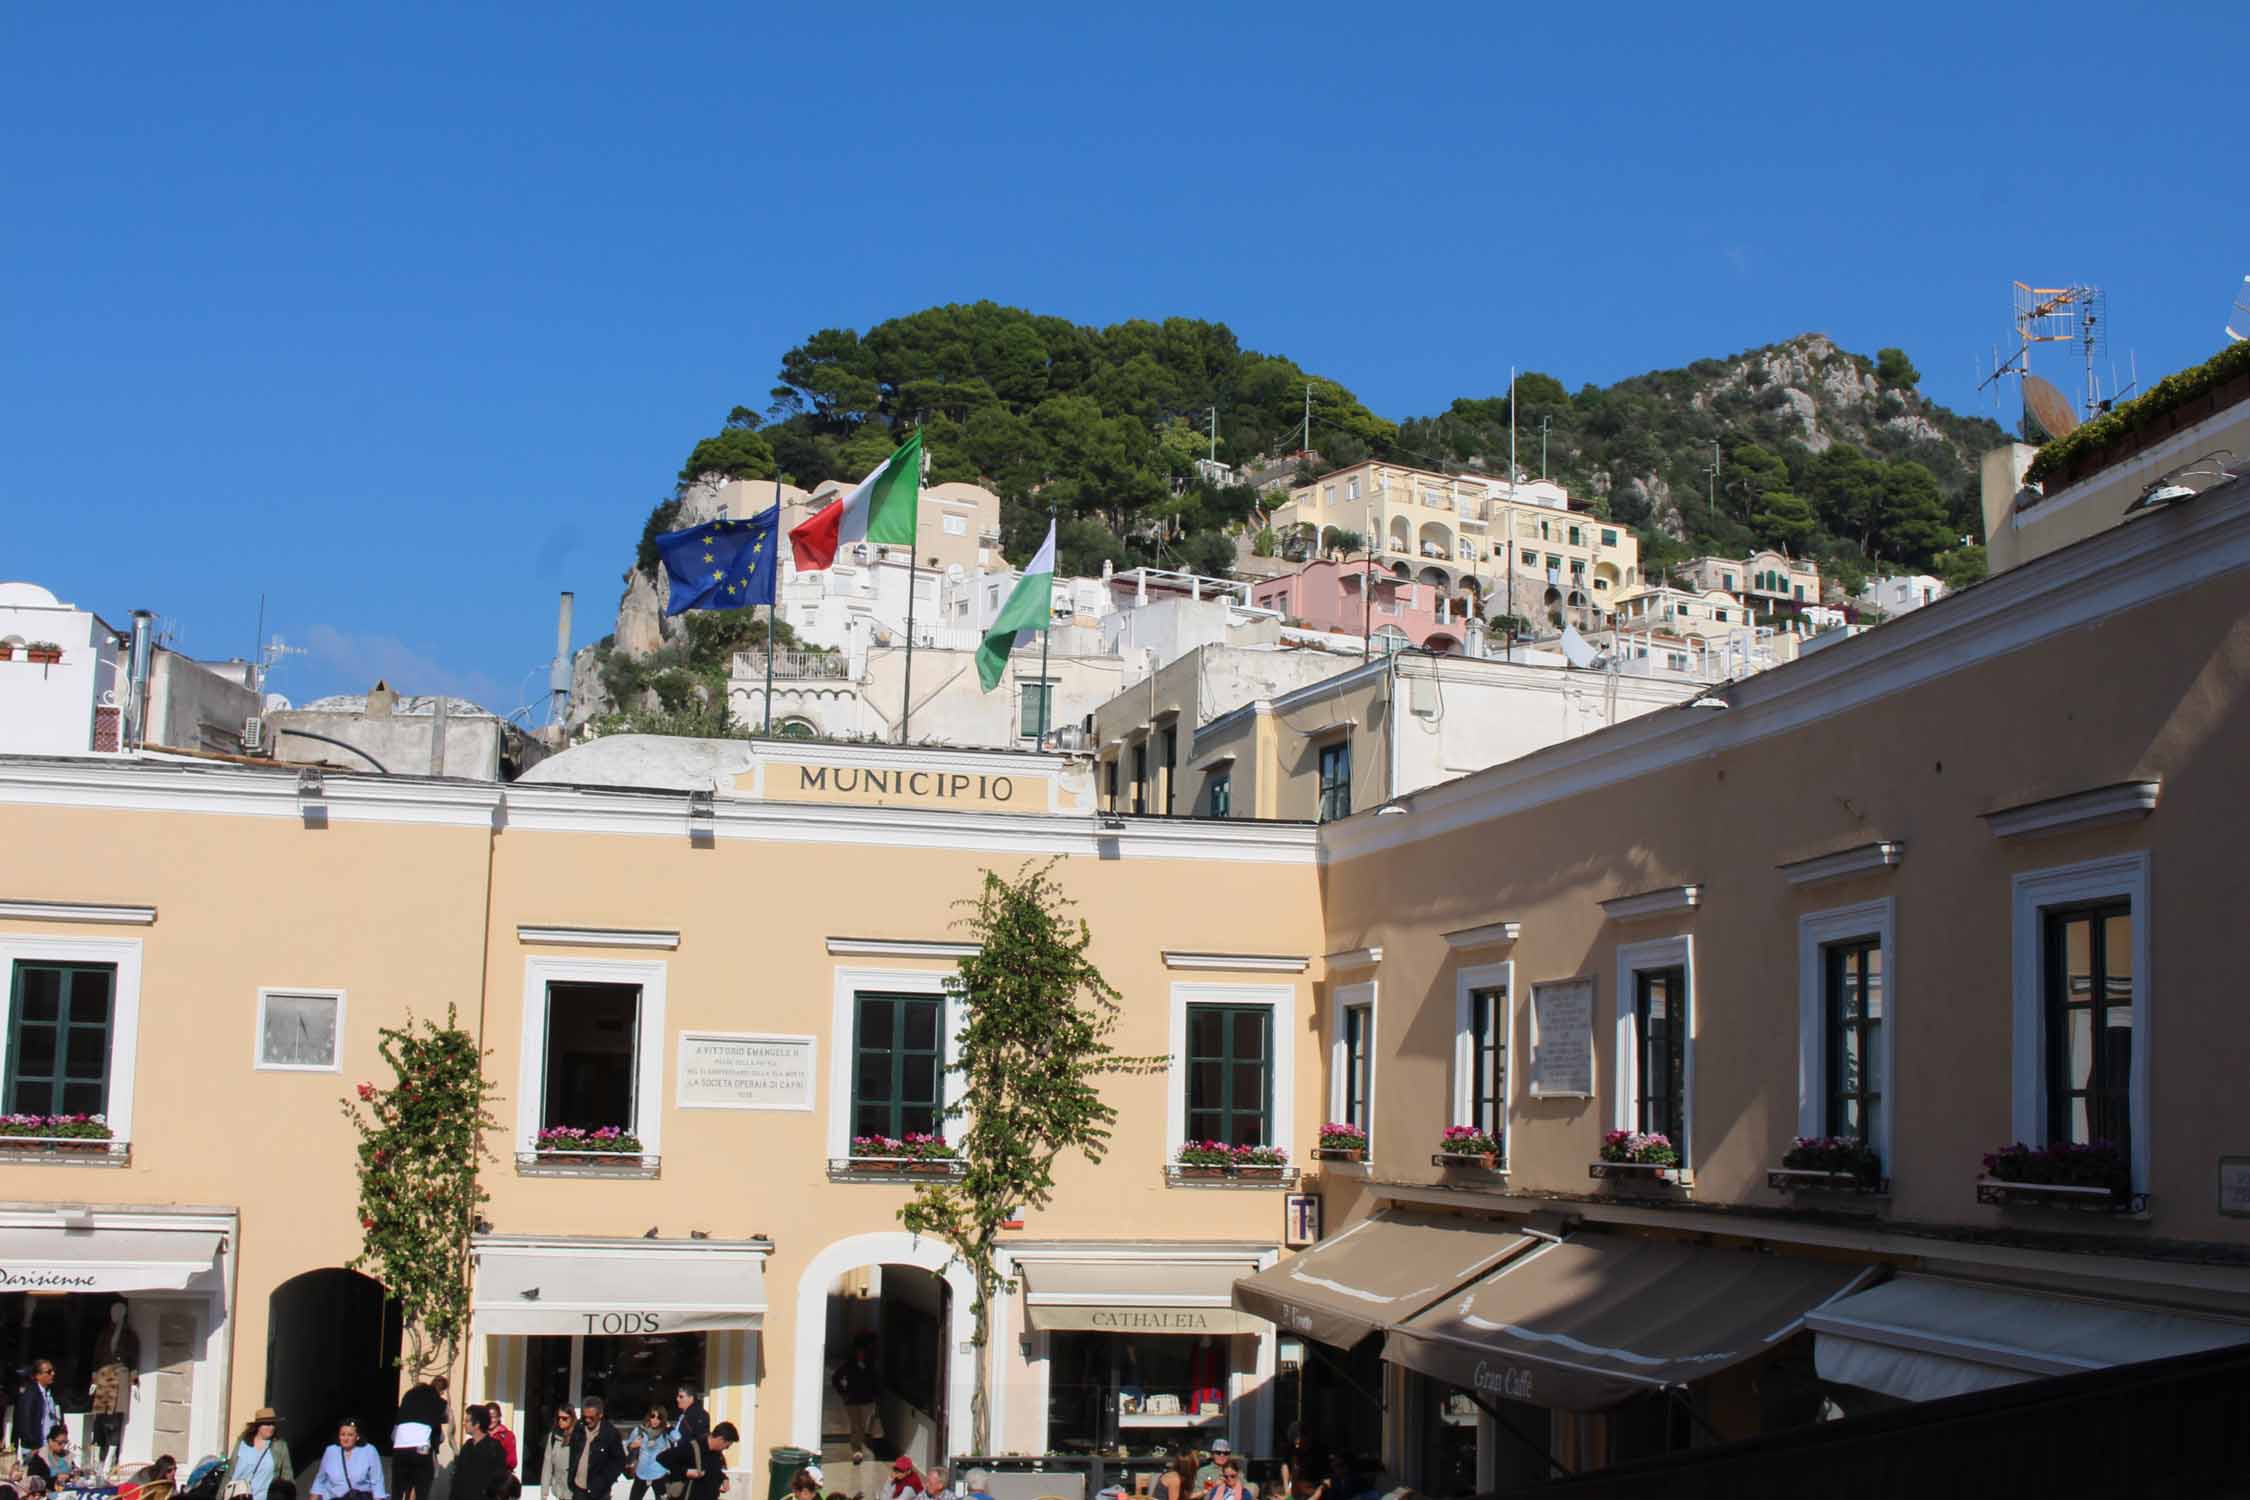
(526, 1286)
(41, 1259)
(1586, 1323)
(1379, 1272)
(1136, 1296)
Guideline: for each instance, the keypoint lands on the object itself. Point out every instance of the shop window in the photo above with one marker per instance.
(1230, 1074)
(1336, 781)
(1660, 1051)
(2089, 981)
(59, 1043)
(1155, 1387)
(593, 1056)
(1222, 794)
(300, 1030)
(898, 1065)
(1035, 707)
(637, 1371)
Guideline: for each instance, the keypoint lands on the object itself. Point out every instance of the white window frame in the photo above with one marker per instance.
(843, 1019)
(1815, 932)
(1632, 959)
(1482, 977)
(296, 992)
(125, 1007)
(2034, 893)
(1282, 999)
(1350, 997)
(1023, 686)
(956, 525)
(649, 1048)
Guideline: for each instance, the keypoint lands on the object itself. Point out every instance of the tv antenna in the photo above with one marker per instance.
(2240, 315)
(2055, 315)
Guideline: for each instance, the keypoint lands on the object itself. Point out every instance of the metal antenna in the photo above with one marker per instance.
(1214, 434)
(1711, 506)
(1544, 424)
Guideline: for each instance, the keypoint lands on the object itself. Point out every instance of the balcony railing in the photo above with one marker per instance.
(795, 664)
(1178, 1175)
(63, 1151)
(588, 1164)
(894, 1168)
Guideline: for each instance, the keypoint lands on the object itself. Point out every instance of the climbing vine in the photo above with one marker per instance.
(419, 1143)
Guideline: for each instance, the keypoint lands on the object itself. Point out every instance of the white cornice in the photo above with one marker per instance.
(1355, 958)
(1883, 854)
(844, 947)
(596, 937)
(1254, 963)
(1489, 935)
(2120, 569)
(2074, 811)
(125, 785)
(78, 911)
(1653, 903)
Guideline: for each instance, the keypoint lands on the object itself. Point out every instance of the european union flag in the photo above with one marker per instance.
(722, 564)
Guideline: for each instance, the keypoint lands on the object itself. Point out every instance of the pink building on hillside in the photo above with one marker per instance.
(1325, 595)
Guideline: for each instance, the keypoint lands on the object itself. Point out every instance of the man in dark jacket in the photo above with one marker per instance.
(597, 1454)
(482, 1462)
(36, 1411)
(702, 1463)
(857, 1388)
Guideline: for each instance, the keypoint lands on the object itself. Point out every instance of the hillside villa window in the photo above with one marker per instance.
(1609, 538)
(1328, 494)
(956, 525)
(1335, 781)
(1351, 488)
(1230, 1074)
(591, 1078)
(2089, 980)
(1222, 794)
(1854, 1009)
(898, 1065)
(1574, 536)
(1036, 707)
(1727, 580)
(61, 1019)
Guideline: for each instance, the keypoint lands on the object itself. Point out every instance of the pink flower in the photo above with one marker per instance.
(367, 1091)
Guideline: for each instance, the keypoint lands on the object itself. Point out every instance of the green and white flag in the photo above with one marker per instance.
(1029, 610)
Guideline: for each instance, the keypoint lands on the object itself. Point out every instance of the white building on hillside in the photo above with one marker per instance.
(1901, 593)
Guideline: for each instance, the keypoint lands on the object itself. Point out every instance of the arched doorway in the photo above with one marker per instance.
(907, 1292)
(332, 1342)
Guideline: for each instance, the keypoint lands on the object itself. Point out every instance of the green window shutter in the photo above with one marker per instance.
(898, 1065)
(1230, 1074)
(59, 1042)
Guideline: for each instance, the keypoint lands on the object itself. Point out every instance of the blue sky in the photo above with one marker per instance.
(404, 315)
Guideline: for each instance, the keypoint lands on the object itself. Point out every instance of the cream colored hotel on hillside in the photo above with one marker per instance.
(1967, 879)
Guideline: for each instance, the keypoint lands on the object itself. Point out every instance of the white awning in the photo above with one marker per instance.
(1919, 1338)
(1136, 1296)
(618, 1286)
(40, 1259)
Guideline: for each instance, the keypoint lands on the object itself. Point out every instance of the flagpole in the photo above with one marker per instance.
(913, 553)
(1046, 685)
(773, 600)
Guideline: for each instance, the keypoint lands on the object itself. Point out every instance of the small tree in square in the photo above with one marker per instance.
(1034, 1043)
(419, 1141)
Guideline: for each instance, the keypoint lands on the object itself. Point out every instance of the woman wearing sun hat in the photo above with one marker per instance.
(260, 1456)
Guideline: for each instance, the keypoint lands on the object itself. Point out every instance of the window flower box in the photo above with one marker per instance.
(7, 650)
(2094, 1178)
(43, 653)
(1829, 1164)
(1466, 1146)
(576, 1145)
(1638, 1156)
(89, 1133)
(1216, 1161)
(1341, 1141)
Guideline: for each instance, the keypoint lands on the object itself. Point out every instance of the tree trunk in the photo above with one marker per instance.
(980, 1417)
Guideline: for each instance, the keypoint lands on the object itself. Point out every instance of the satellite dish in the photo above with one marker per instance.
(2049, 407)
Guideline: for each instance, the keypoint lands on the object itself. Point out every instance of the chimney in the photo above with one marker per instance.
(558, 676)
(438, 707)
(136, 678)
(381, 700)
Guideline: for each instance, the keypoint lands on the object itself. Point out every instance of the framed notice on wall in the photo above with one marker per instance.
(1562, 1039)
(745, 1070)
(1301, 1215)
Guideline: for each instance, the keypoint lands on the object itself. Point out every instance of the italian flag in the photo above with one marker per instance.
(1029, 610)
(882, 509)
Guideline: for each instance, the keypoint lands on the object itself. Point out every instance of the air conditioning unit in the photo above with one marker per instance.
(254, 733)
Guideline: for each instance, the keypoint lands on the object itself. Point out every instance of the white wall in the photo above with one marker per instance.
(49, 710)
(1478, 718)
(950, 704)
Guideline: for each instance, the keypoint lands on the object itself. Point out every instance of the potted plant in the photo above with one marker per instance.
(574, 1143)
(929, 1155)
(878, 1153)
(1203, 1158)
(2095, 1173)
(1831, 1160)
(54, 1133)
(1467, 1146)
(7, 650)
(1260, 1161)
(1637, 1153)
(43, 653)
(1341, 1141)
